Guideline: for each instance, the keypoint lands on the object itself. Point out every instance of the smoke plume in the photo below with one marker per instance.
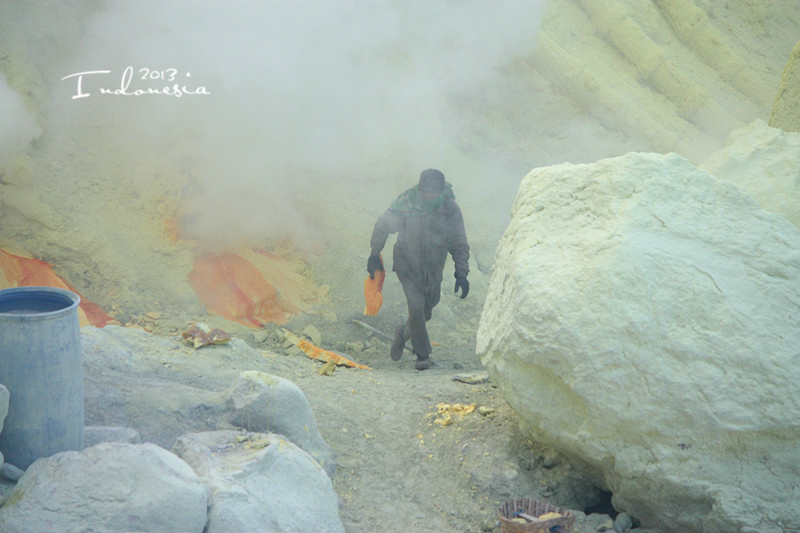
(310, 105)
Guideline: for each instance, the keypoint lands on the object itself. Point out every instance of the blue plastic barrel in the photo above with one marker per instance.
(40, 364)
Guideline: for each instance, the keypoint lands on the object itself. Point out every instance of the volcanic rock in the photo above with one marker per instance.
(643, 319)
(260, 483)
(109, 487)
(265, 403)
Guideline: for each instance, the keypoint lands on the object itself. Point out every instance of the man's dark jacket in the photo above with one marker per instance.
(425, 234)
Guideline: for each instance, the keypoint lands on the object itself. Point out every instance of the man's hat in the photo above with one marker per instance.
(431, 180)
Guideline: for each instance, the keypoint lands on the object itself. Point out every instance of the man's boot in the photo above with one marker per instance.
(399, 342)
(423, 363)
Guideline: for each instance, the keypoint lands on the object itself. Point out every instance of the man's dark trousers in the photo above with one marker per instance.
(420, 304)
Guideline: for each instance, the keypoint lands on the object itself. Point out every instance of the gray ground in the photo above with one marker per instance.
(399, 469)
(397, 465)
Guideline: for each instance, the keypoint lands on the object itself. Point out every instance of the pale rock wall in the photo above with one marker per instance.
(675, 75)
(642, 317)
(764, 162)
(786, 109)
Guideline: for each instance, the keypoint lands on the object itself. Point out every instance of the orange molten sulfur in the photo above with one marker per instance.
(315, 352)
(230, 286)
(19, 271)
(373, 297)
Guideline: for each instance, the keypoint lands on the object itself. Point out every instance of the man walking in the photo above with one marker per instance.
(428, 224)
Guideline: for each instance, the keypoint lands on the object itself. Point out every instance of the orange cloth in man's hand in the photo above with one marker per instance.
(373, 297)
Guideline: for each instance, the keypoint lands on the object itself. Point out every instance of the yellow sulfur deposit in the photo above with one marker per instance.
(549, 516)
(447, 412)
(456, 408)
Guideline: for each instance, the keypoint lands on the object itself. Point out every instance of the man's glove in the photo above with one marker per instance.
(463, 284)
(374, 263)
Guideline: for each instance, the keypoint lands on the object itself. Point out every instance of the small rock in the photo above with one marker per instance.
(153, 315)
(10, 472)
(606, 525)
(623, 523)
(592, 523)
(327, 369)
(355, 346)
(486, 410)
(472, 378)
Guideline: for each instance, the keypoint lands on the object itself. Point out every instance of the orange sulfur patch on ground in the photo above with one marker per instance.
(20, 271)
(229, 285)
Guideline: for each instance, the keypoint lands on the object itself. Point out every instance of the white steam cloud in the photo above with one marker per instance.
(17, 127)
(310, 102)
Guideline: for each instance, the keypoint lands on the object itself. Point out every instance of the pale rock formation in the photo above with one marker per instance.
(643, 317)
(265, 403)
(252, 400)
(261, 483)
(786, 109)
(110, 487)
(673, 74)
(765, 163)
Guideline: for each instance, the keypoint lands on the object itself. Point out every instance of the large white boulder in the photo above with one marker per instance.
(765, 163)
(110, 487)
(261, 483)
(643, 317)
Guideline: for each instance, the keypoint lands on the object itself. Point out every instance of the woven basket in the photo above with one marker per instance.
(511, 508)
